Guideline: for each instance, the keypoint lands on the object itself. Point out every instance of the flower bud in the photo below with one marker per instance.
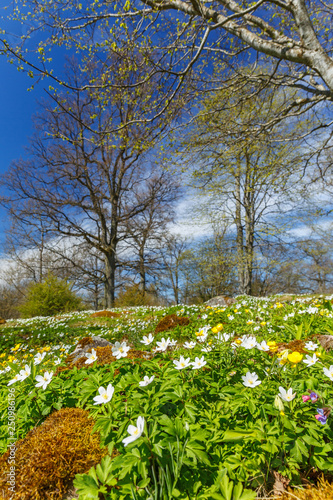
(278, 403)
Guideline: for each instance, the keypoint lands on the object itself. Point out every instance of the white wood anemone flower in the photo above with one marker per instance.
(182, 363)
(310, 360)
(134, 432)
(147, 340)
(15, 379)
(198, 363)
(163, 345)
(25, 373)
(146, 381)
(105, 395)
(329, 372)
(311, 346)
(39, 358)
(189, 345)
(120, 350)
(91, 357)
(286, 395)
(43, 381)
(251, 379)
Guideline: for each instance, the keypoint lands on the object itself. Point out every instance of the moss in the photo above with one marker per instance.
(171, 321)
(323, 491)
(49, 457)
(105, 314)
(104, 357)
(84, 341)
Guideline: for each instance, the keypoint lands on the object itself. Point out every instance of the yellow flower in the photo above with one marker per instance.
(219, 327)
(295, 357)
(263, 323)
(214, 329)
(282, 413)
(13, 349)
(2, 355)
(318, 354)
(235, 310)
(249, 322)
(247, 310)
(271, 343)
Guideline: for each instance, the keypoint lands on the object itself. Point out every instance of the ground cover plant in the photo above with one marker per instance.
(229, 404)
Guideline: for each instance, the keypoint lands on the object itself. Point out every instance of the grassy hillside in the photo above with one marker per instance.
(187, 402)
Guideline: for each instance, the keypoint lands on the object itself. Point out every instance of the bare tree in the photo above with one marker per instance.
(147, 230)
(84, 181)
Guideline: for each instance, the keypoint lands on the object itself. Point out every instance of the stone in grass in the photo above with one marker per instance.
(85, 345)
(326, 341)
(220, 301)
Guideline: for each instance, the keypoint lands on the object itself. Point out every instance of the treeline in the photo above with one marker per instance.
(95, 201)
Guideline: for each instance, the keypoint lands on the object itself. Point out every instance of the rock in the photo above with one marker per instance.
(220, 301)
(326, 341)
(80, 352)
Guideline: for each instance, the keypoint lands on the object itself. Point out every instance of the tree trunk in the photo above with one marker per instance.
(249, 229)
(240, 234)
(142, 271)
(110, 273)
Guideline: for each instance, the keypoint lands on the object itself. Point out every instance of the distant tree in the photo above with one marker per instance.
(147, 230)
(10, 300)
(210, 269)
(247, 179)
(173, 253)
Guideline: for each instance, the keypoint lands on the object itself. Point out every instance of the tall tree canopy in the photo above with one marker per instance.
(296, 33)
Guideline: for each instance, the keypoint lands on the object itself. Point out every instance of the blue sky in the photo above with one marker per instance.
(17, 106)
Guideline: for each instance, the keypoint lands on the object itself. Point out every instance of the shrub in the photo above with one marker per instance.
(49, 457)
(52, 296)
(133, 295)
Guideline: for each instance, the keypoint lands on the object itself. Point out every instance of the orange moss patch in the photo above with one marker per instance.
(84, 341)
(104, 357)
(293, 346)
(171, 321)
(323, 491)
(105, 314)
(48, 458)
